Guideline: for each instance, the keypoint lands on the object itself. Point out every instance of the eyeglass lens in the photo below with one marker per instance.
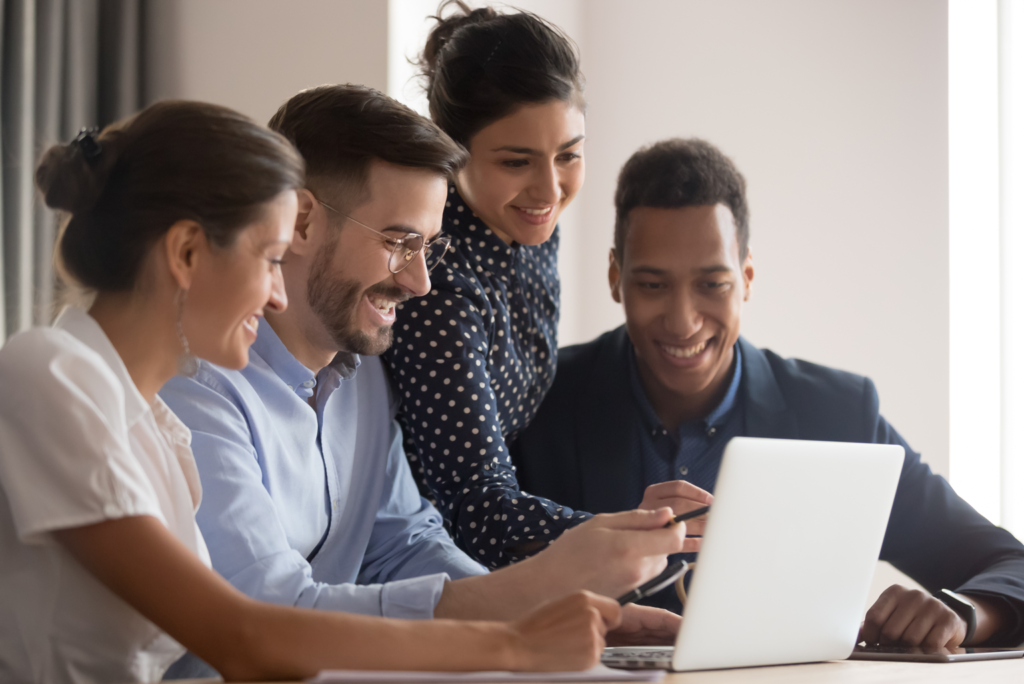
(407, 250)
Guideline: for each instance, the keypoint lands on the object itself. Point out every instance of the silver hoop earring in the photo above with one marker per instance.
(188, 365)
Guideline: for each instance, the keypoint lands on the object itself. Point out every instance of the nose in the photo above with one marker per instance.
(683, 319)
(414, 278)
(547, 183)
(278, 300)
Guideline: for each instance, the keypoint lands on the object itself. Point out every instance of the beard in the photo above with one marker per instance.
(335, 302)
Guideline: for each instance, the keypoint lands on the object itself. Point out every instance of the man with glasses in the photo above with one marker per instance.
(307, 495)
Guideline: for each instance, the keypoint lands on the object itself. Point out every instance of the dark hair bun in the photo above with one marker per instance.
(480, 65)
(69, 181)
(123, 188)
(446, 26)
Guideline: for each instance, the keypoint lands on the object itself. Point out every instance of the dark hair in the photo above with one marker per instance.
(681, 173)
(340, 129)
(480, 66)
(122, 189)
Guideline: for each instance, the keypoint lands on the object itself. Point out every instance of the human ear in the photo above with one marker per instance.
(183, 244)
(310, 220)
(748, 273)
(614, 276)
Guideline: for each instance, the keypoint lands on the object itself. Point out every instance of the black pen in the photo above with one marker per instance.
(667, 577)
(682, 517)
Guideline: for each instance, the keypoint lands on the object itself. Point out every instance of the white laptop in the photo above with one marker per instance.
(789, 552)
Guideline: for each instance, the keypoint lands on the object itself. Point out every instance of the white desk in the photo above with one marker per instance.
(846, 672)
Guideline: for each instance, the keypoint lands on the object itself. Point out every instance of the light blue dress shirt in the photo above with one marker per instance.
(313, 507)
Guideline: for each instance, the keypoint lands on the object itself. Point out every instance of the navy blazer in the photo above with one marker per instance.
(570, 454)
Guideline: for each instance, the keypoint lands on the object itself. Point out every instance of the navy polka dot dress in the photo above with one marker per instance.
(472, 361)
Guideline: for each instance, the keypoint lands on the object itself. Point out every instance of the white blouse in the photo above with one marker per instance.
(79, 445)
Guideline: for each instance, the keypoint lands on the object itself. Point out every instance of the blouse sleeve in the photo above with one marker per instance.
(66, 457)
(453, 425)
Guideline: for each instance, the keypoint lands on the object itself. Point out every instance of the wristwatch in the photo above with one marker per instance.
(963, 607)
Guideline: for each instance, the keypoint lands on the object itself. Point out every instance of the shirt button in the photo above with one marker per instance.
(309, 383)
(683, 470)
(712, 431)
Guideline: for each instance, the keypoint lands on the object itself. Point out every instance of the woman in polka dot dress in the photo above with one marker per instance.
(473, 359)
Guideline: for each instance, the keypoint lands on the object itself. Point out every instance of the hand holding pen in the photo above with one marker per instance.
(670, 574)
(681, 497)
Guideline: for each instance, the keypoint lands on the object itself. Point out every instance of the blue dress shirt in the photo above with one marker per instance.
(694, 451)
(313, 507)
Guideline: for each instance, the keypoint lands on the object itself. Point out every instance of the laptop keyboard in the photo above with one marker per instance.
(638, 658)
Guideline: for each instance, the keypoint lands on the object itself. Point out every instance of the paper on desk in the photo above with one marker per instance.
(596, 674)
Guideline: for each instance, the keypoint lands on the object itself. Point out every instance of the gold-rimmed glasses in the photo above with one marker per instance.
(406, 247)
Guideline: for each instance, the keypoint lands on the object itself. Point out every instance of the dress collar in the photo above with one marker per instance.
(78, 323)
(489, 251)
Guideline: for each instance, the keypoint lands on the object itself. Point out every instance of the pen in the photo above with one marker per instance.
(667, 577)
(682, 517)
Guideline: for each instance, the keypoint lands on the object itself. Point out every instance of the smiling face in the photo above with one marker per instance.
(350, 288)
(682, 285)
(524, 170)
(232, 286)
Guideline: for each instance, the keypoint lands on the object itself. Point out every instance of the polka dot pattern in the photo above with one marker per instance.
(471, 362)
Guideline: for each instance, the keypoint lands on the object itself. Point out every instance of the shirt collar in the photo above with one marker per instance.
(84, 327)
(269, 347)
(717, 416)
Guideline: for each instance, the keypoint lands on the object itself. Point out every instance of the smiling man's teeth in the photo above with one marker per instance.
(254, 322)
(383, 305)
(685, 352)
(537, 212)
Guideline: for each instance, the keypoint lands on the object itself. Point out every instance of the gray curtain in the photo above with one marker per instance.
(64, 65)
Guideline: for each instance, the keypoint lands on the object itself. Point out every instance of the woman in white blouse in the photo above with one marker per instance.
(176, 221)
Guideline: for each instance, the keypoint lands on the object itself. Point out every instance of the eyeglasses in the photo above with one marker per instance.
(407, 247)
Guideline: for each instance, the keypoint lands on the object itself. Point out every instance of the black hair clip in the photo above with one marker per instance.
(88, 145)
(495, 50)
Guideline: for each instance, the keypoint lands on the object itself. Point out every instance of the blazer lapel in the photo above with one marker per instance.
(764, 405)
(604, 420)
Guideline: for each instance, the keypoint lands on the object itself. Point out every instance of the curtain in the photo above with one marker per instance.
(64, 65)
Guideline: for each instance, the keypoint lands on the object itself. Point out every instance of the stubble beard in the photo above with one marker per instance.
(335, 301)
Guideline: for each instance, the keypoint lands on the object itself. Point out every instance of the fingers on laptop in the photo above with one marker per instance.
(566, 634)
(645, 626)
(911, 617)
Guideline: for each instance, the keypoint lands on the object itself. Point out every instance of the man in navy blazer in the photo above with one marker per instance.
(640, 416)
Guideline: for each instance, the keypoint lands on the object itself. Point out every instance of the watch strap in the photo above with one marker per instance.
(962, 607)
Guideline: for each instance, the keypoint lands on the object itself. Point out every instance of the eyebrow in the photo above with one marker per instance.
(706, 270)
(530, 150)
(409, 229)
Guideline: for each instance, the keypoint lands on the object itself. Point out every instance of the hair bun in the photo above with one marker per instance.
(464, 15)
(68, 180)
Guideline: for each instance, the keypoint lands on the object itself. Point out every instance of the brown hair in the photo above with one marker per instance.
(340, 129)
(122, 189)
(681, 173)
(480, 66)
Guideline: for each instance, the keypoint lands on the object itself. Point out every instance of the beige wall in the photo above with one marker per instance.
(835, 111)
(836, 114)
(252, 55)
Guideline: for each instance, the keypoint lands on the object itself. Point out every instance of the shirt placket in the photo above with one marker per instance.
(324, 390)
